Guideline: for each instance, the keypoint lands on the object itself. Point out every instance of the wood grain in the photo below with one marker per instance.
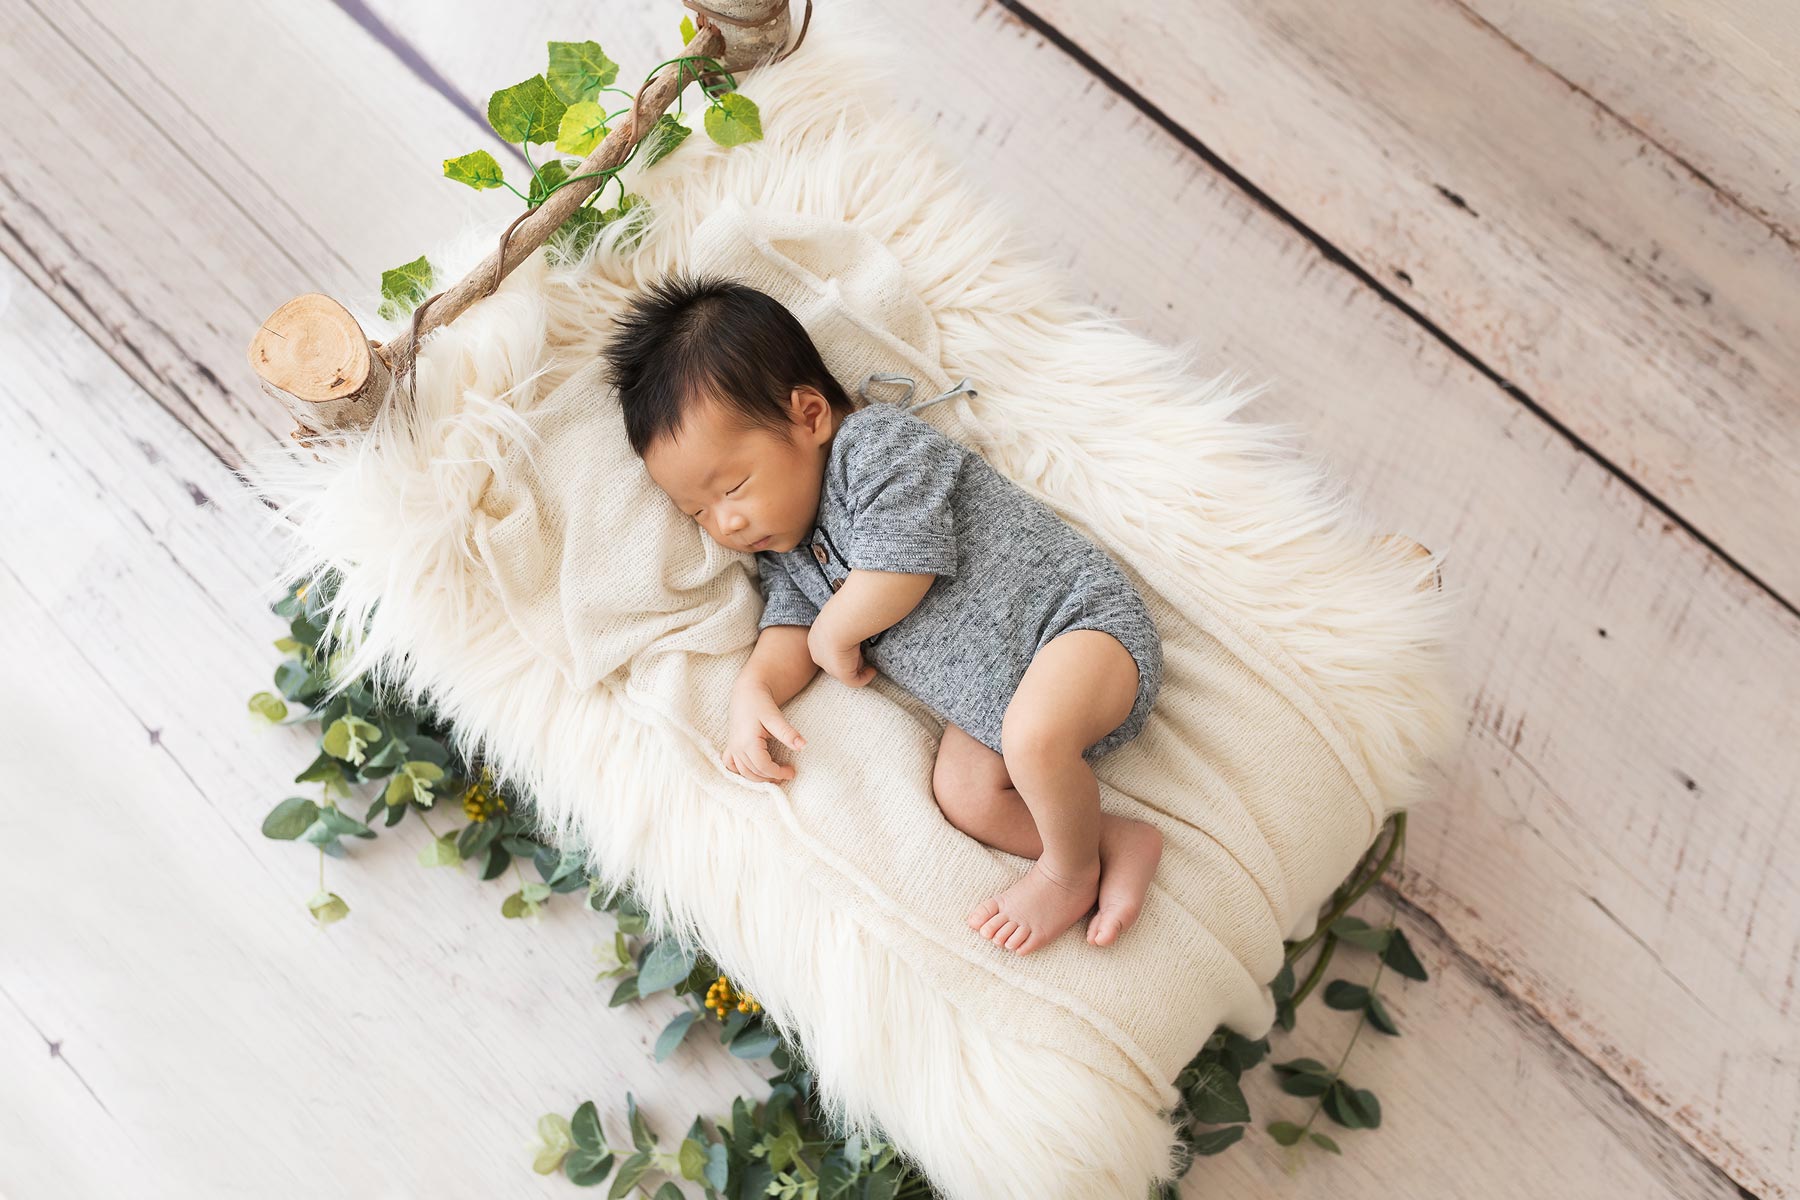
(206, 1033)
(1605, 883)
(1575, 258)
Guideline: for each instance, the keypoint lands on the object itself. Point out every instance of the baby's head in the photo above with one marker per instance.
(730, 406)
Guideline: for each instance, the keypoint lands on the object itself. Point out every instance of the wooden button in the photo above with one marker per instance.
(836, 584)
(819, 553)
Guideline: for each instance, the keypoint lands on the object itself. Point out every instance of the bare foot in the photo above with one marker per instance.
(1129, 852)
(1037, 909)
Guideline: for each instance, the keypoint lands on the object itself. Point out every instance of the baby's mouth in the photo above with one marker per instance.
(762, 543)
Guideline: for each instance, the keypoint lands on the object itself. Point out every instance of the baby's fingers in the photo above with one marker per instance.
(765, 766)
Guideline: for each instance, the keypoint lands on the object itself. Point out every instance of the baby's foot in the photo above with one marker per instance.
(1036, 910)
(1129, 852)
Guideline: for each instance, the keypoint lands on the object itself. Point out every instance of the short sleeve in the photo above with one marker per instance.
(783, 601)
(901, 473)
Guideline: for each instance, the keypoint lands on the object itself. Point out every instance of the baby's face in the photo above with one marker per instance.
(751, 490)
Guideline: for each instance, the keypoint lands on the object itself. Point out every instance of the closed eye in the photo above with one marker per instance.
(745, 480)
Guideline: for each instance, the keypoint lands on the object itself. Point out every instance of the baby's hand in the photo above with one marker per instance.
(836, 659)
(754, 718)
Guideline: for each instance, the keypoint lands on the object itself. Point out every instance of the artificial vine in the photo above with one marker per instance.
(562, 108)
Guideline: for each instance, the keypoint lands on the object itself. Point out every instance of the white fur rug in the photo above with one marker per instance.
(1306, 685)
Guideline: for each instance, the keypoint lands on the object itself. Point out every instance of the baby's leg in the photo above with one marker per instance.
(1078, 688)
(977, 797)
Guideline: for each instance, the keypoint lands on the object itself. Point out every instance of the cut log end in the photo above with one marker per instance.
(312, 356)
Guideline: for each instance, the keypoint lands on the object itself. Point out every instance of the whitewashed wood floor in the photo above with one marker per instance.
(1524, 271)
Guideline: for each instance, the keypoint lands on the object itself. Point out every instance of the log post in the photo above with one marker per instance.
(311, 355)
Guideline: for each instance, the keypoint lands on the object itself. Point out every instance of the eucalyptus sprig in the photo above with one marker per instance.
(562, 108)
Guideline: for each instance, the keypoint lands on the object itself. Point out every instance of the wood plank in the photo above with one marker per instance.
(1714, 83)
(218, 1035)
(1572, 256)
(1546, 541)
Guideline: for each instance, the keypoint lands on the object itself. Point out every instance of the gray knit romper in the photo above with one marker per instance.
(898, 495)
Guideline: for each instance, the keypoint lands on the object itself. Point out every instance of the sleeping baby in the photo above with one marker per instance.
(883, 545)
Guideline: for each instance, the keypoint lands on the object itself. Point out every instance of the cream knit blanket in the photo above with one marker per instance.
(1262, 801)
(515, 563)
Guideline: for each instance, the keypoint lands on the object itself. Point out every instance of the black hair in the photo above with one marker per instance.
(687, 338)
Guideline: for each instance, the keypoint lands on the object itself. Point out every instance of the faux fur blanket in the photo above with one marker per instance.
(515, 562)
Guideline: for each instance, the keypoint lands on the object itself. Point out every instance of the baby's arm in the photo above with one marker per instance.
(780, 665)
(868, 602)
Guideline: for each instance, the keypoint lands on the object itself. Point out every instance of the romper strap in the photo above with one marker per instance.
(961, 387)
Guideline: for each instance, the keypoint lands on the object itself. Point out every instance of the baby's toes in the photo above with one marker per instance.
(983, 912)
(1019, 937)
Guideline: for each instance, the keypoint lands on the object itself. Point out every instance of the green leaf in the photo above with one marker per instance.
(294, 681)
(688, 32)
(528, 111)
(1216, 1098)
(666, 965)
(1215, 1141)
(1345, 996)
(641, 1137)
(549, 175)
(477, 169)
(1303, 1077)
(404, 287)
(553, 1132)
(1285, 1132)
(535, 892)
(348, 738)
(440, 852)
(328, 907)
(691, 1158)
(1353, 1108)
(630, 1171)
(733, 120)
(1379, 1018)
(1326, 1142)
(663, 137)
(755, 1043)
(585, 1128)
(668, 1191)
(268, 707)
(340, 823)
(413, 782)
(625, 992)
(672, 1034)
(1358, 932)
(582, 127)
(1400, 956)
(578, 70)
(718, 1167)
(289, 819)
(514, 906)
(585, 1168)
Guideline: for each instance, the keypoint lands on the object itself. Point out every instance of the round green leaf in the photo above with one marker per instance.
(267, 706)
(578, 70)
(733, 120)
(1285, 1132)
(289, 819)
(585, 1128)
(582, 127)
(1326, 1142)
(585, 1168)
(328, 907)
